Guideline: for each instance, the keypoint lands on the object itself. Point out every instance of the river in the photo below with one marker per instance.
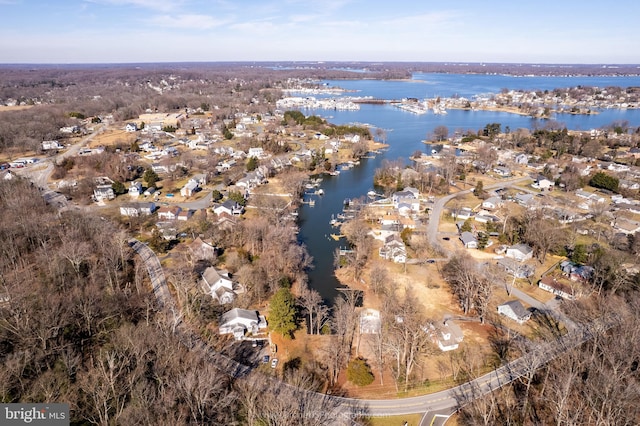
(405, 131)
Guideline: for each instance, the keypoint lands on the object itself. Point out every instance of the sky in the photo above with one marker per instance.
(137, 31)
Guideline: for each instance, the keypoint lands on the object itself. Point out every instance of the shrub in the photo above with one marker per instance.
(359, 373)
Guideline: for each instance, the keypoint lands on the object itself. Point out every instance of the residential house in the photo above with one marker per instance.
(590, 196)
(393, 249)
(469, 240)
(135, 189)
(218, 285)
(542, 183)
(131, 127)
(256, 152)
(629, 184)
(104, 192)
(240, 321)
(447, 335)
(190, 188)
(576, 272)
(138, 209)
(201, 250)
(370, 321)
(502, 171)
(229, 207)
(521, 159)
(515, 268)
(626, 226)
(514, 310)
(519, 252)
(147, 208)
(524, 199)
(185, 215)
(463, 213)
(492, 203)
(226, 221)
(556, 287)
(51, 145)
(169, 212)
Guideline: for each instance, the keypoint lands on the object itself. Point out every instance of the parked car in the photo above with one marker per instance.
(265, 359)
(274, 363)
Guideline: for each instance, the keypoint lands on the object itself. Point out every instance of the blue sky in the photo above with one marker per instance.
(104, 31)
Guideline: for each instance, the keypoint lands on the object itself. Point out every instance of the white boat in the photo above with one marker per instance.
(320, 191)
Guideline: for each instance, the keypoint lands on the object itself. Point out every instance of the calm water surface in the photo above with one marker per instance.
(405, 131)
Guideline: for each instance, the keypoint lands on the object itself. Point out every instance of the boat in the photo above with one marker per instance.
(312, 203)
(320, 191)
(336, 236)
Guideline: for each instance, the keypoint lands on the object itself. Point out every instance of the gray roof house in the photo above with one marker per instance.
(519, 252)
(469, 240)
(218, 285)
(240, 321)
(513, 309)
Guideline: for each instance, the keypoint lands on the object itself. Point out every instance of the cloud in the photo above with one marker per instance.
(157, 5)
(187, 21)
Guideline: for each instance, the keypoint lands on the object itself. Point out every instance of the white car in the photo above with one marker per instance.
(274, 363)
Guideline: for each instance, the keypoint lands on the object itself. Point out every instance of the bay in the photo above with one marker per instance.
(405, 132)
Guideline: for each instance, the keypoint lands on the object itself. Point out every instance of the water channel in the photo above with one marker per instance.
(405, 133)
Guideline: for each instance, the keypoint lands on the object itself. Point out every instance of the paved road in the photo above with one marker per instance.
(438, 207)
(437, 407)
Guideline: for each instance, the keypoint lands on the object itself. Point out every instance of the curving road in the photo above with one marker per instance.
(437, 406)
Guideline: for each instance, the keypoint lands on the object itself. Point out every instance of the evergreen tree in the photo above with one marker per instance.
(150, 177)
(359, 373)
(282, 312)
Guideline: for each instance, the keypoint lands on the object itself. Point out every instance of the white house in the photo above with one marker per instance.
(370, 321)
(135, 189)
(519, 252)
(502, 171)
(542, 183)
(469, 240)
(131, 127)
(552, 285)
(218, 285)
(492, 203)
(446, 335)
(514, 310)
(521, 159)
(169, 212)
(50, 145)
(189, 188)
(229, 207)
(256, 152)
(104, 192)
(240, 321)
(393, 249)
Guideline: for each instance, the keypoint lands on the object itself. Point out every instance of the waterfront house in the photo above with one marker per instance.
(240, 321)
(370, 322)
